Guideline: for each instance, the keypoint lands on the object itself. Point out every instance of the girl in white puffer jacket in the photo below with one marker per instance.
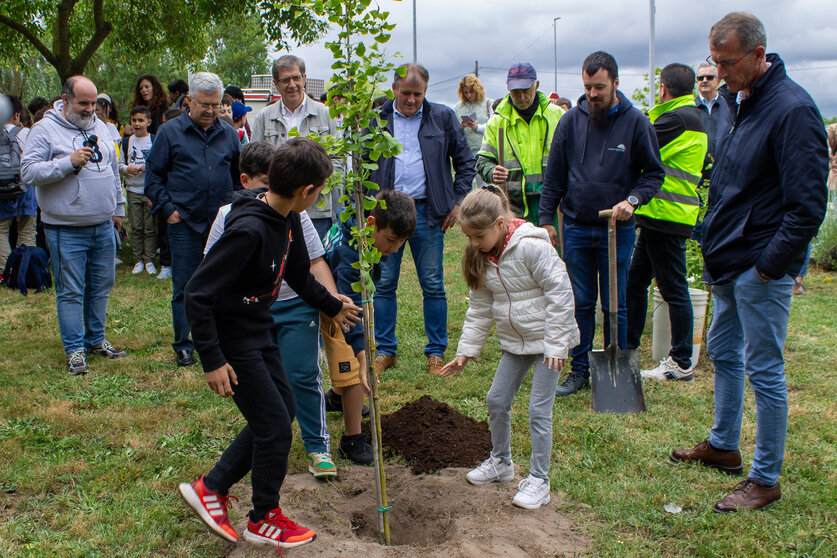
(519, 283)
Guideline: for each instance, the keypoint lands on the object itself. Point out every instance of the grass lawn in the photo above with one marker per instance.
(89, 465)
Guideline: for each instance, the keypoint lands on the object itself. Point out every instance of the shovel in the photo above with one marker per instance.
(614, 372)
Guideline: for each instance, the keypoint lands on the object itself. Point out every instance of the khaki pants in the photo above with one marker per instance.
(26, 231)
(143, 233)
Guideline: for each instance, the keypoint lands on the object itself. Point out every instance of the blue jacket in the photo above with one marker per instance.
(192, 171)
(767, 195)
(591, 168)
(717, 124)
(442, 143)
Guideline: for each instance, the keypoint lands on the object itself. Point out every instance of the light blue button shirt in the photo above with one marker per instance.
(409, 168)
(709, 104)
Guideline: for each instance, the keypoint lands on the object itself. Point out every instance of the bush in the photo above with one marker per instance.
(824, 245)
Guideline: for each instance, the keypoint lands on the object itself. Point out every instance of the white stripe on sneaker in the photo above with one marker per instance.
(263, 528)
(270, 532)
(213, 506)
(210, 498)
(216, 513)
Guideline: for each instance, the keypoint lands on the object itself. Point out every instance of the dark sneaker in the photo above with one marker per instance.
(184, 357)
(106, 350)
(76, 363)
(355, 448)
(334, 404)
(727, 461)
(749, 495)
(572, 383)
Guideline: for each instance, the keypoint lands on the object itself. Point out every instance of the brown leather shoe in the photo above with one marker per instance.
(749, 495)
(728, 462)
(435, 364)
(382, 362)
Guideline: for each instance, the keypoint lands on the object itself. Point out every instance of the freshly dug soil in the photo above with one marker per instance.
(431, 435)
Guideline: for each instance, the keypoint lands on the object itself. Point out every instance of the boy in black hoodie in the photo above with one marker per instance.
(227, 303)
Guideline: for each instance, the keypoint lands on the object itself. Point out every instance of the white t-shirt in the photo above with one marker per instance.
(312, 241)
(136, 154)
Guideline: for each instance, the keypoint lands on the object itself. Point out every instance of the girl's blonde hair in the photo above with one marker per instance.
(474, 83)
(480, 210)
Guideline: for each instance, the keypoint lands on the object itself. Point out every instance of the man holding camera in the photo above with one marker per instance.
(80, 195)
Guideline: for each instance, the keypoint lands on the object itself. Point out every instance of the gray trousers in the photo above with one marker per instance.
(510, 373)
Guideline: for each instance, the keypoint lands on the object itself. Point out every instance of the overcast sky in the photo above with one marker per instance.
(452, 34)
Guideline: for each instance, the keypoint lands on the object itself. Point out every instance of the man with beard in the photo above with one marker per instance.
(71, 161)
(604, 155)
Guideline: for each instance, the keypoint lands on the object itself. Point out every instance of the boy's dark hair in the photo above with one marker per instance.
(598, 60)
(142, 109)
(379, 101)
(399, 215)
(179, 86)
(227, 100)
(171, 114)
(37, 104)
(299, 162)
(679, 79)
(235, 92)
(255, 158)
(17, 106)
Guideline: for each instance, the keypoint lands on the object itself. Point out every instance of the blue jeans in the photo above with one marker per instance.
(83, 270)
(186, 245)
(747, 335)
(585, 253)
(426, 245)
(296, 326)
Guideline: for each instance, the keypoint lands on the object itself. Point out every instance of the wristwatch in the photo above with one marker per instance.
(633, 201)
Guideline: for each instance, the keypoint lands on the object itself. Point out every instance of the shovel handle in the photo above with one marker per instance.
(612, 276)
(605, 214)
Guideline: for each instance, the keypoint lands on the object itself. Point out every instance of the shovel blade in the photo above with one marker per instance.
(615, 381)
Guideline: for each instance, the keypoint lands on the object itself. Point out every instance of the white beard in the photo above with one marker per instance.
(80, 121)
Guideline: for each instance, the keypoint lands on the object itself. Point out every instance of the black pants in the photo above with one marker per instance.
(661, 256)
(264, 397)
(163, 240)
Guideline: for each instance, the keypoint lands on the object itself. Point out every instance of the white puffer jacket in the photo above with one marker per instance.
(528, 296)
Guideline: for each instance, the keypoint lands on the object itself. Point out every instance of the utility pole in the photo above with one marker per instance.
(415, 40)
(477, 68)
(652, 74)
(555, 24)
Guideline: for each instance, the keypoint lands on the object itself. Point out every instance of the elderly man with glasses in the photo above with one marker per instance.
(191, 171)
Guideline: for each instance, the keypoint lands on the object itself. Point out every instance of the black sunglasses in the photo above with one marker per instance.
(707, 78)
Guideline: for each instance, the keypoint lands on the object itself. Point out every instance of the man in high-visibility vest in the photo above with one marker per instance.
(667, 220)
(529, 121)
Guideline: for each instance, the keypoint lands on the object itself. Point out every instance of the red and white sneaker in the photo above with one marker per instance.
(211, 507)
(277, 529)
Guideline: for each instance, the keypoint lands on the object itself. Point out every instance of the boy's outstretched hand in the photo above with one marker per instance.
(554, 363)
(221, 380)
(349, 315)
(455, 366)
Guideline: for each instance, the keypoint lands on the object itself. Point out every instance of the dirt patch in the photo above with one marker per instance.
(431, 435)
(432, 516)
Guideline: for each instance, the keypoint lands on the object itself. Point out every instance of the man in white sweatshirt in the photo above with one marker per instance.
(71, 161)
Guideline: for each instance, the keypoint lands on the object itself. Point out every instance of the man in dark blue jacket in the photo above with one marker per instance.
(766, 201)
(433, 142)
(604, 155)
(191, 171)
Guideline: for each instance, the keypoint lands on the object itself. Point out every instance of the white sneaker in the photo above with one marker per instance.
(149, 267)
(668, 370)
(491, 470)
(165, 272)
(117, 261)
(532, 493)
(138, 268)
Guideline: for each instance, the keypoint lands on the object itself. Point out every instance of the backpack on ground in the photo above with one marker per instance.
(27, 268)
(11, 186)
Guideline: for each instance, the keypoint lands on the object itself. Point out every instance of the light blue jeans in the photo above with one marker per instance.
(510, 373)
(747, 336)
(83, 273)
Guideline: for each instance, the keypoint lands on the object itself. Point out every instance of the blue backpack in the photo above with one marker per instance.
(27, 268)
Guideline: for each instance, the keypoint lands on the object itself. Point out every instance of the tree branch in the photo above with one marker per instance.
(102, 30)
(61, 37)
(31, 37)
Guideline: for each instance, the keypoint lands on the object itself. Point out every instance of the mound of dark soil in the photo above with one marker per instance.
(431, 435)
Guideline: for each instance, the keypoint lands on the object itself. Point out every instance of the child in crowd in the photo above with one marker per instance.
(134, 150)
(393, 224)
(295, 323)
(519, 284)
(227, 303)
(226, 106)
(239, 117)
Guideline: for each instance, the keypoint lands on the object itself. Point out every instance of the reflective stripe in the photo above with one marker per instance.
(534, 178)
(682, 175)
(512, 164)
(677, 198)
(516, 183)
(545, 158)
(489, 148)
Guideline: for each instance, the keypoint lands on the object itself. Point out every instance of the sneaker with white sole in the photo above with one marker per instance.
(138, 268)
(668, 369)
(491, 470)
(211, 507)
(165, 272)
(532, 493)
(77, 363)
(150, 268)
(106, 350)
(321, 465)
(277, 529)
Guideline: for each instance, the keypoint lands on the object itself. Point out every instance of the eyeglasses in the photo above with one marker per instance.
(727, 65)
(296, 79)
(211, 106)
(706, 77)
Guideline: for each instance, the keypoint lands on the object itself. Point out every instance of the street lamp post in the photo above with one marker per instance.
(652, 74)
(555, 24)
(415, 40)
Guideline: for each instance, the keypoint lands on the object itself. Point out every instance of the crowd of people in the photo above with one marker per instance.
(262, 267)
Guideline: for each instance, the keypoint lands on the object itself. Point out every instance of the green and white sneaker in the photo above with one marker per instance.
(321, 465)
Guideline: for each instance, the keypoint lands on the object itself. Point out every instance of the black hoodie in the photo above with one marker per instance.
(229, 296)
(591, 168)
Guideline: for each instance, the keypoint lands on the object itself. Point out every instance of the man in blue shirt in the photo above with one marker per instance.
(191, 171)
(433, 142)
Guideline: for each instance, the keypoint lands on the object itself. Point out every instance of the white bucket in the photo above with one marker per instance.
(661, 338)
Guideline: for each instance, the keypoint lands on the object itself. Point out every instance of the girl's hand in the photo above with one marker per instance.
(454, 367)
(554, 363)
(221, 380)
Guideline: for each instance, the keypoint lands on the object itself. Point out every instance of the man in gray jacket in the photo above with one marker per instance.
(72, 163)
(296, 110)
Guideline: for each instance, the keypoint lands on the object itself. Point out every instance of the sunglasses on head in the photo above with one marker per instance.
(707, 78)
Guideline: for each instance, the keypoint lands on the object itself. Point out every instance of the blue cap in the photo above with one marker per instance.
(521, 76)
(239, 109)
